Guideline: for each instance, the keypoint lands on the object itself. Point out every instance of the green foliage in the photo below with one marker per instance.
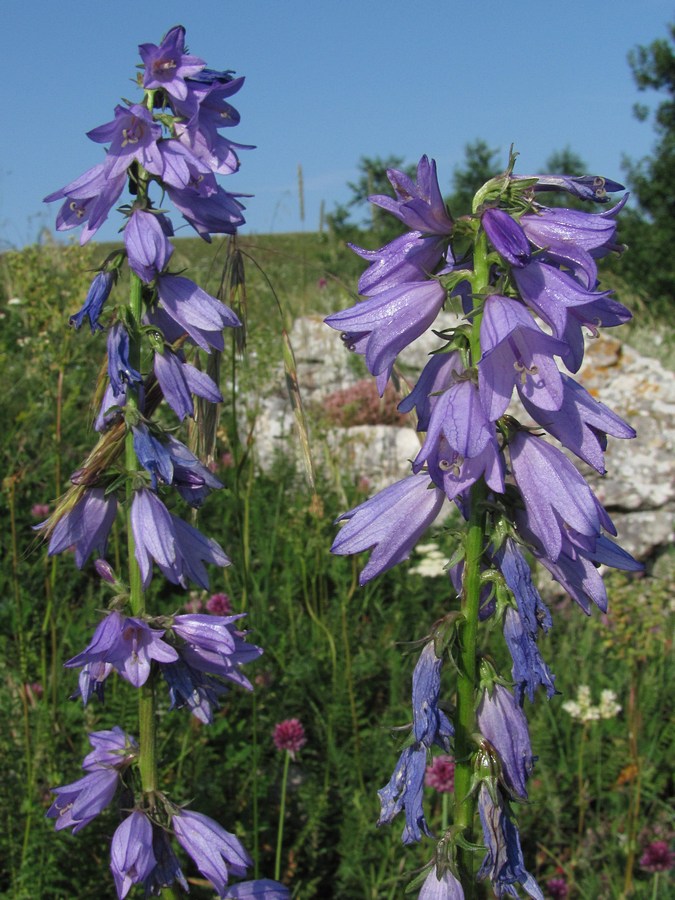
(336, 656)
(481, 163)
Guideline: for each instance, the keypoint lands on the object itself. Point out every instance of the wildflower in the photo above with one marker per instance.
(557, 888)
(215, 852)
(39, 510)
(133, 135)
(132, 859)
(503, 862)
(608, 707)
(148, 249)
(506, 236)
(120, 370)
(430, 724)
(419, 205)
(460, 444)
(92, 681)
(196, 312)
(515, 351)
(113, 748)
(437, 375)
(289, 735)
(385, 324)
(529, 669)
(179, 381)
(404, 792)
(582, 708)
(657, 857)
(167, 869)
(440, 775)
(86, 526)
(88, 200)
(167, 66)
(391, 522)
(502, 722)
(585, 187)
(217, 213)
(98, 293)
(410, 257)
(558, 500)
(444, 888)
(78, 803)
(128, 645)
(219, 605)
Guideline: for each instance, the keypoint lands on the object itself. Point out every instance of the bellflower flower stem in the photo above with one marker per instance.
(282, 813)
(467, 683)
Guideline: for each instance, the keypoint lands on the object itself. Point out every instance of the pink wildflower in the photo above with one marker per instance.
(219, 605)
(39, 510)
(440, 775)
(289, 735)
(657, 857)
(557, 888)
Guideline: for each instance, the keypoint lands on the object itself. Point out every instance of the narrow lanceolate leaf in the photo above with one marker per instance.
(291, 371)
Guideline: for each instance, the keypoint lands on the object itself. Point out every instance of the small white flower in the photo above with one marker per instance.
(609, 708)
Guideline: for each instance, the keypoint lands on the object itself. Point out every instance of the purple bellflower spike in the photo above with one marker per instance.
(503, 863)
(558, 500)
(113, 749)
(581, 424)
(196, 312)
(78, 803)
(179, 380)
(133, 135)
(410, 257)
(88, 200)
(573, 238)
(460, 444)
(444, 888)
(120, 370)
(260, 889)
(384, 325)
(585, 187)
(391, 522)
(215, 852)
(516, 352)
(86, 526)
(506, 236)
(437, 375)
(167, 869)
(98, 293)
(167, 66)
(430, 724)
(128, 645)
(404, 792)
(502, 722)
(148, 250)
(420, 206)
(132, 859)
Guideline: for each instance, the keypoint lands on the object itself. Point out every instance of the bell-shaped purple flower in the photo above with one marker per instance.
(384, 325)
(131, 855)
(196, 312)
(506, 236)
(585, 187)
(430, 724)
(148, 249)
(98, 293)
(215, 852)
(420, 206)
(86, 526)
(120, 370)
(516, 352)
(78, 803)
(179, 380)
(133, 135)
(128, 645)
(391, 522)
(437, 375)
(558, 500)
(503, 863)
(581, 424)
(88, 200)
(188, 686)
(219, 213)
(404, 792)
(153, 455)
(502, 722)
(410, 257)
(91, 680)
(447, 887)
(573, 238)
(461, 444)
(167, 870)
(113, 749)
(167, 66)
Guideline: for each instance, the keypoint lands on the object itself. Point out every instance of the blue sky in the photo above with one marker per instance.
(326, 83)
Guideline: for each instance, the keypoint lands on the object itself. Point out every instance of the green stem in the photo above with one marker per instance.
(282, 813)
